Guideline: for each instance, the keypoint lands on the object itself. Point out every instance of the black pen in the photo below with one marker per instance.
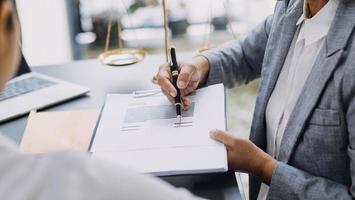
(175, 74)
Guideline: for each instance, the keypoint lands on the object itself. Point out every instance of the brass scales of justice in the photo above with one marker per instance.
(128, 56)
(120, 56)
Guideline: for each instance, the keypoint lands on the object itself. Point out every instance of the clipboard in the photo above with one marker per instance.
(204, 156)
(59, 131)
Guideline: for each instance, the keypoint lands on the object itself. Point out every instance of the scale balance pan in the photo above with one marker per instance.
(122, 57)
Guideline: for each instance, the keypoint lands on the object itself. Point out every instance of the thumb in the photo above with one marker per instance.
(222, 137)
(185, 75)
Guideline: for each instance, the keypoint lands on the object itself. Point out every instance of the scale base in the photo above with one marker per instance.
(122, 57)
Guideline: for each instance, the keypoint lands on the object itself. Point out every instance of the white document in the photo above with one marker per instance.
(142, 133)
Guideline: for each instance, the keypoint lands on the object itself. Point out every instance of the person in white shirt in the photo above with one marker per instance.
(64, 176)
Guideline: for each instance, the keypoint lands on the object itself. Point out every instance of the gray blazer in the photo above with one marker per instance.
(317, 154)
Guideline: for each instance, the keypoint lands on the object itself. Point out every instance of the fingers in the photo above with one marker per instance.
(189, 89)
(186, 78)
(186, 73)
(186, 102)
(222, 137)
(164, 81)
(170, 98)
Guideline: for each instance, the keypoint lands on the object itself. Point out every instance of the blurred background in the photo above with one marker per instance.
(61, 31)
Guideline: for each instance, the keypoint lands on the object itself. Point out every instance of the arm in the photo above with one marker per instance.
(74, 176)
(244, 156)
(304, 185)
(239, 61)
(234, 62)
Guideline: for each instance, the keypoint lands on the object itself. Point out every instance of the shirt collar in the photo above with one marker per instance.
(317, 27)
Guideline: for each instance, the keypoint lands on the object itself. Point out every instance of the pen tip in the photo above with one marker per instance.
(178, 119)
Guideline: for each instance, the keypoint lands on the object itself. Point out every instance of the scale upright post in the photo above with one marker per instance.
(166, 31)
(166, 36)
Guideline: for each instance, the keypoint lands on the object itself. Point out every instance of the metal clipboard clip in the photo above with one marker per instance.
(146, 93)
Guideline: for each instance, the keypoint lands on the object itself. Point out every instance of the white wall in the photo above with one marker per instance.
(45, 31)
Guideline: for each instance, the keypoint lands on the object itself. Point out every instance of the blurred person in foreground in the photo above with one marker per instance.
(63, 176)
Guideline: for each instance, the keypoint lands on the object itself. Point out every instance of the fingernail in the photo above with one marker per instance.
(186, 104)
(213, 133)
(173, 94)
(181, 84)
(214, 130)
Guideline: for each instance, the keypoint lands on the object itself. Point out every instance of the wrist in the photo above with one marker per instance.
(202, 65)
(265, 167)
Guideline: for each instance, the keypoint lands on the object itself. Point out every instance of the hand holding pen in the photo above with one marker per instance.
(192, 73)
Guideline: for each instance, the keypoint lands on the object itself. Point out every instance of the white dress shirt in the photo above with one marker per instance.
(74, 176)
(306, 45)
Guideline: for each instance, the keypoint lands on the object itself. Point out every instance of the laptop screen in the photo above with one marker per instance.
(23, 68)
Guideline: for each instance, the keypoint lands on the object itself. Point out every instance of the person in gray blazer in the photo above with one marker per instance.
(302, 140)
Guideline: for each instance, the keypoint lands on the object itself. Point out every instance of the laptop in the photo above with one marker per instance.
(29, 90)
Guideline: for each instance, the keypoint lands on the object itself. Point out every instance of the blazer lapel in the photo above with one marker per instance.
(323, 69)
(275, 56)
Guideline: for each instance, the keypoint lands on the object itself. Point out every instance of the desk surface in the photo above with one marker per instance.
(103, 80)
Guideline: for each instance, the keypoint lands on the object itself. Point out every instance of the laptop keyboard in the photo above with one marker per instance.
(24, 86)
